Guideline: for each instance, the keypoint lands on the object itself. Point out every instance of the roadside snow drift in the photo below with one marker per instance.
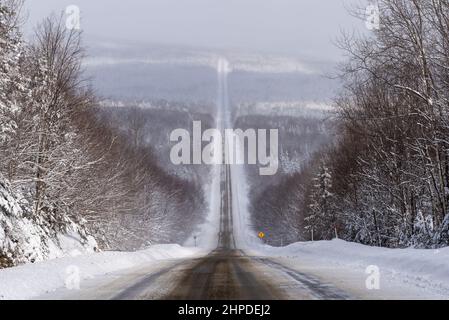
(425, 269)
(33, 280)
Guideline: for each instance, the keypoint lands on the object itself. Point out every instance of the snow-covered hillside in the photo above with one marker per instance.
(107, 54)
(310, 109)
(145, 72)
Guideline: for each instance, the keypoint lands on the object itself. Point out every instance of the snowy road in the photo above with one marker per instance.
(296, 272)
(226, 273)
(240, 267)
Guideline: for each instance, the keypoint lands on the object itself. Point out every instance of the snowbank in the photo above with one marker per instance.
(422, 268)
(33, 280)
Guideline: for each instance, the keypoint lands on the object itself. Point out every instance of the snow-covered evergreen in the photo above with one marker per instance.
(322, 217)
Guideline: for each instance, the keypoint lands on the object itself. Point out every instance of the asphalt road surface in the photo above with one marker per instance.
(227, 273)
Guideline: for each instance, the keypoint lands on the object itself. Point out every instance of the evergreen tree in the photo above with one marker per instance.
(321, 220)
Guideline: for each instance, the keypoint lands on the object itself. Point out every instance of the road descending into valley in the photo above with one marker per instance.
(228, 273)
(225, 273)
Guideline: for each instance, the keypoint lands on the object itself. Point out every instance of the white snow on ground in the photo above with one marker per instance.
(33, 280)
(206, 234)
(404, 273)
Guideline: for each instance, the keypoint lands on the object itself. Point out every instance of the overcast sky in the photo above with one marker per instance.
(279, 26)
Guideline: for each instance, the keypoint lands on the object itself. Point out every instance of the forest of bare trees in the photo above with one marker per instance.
(385, 182)
(277, 202)
(384, 178)
(68, 171)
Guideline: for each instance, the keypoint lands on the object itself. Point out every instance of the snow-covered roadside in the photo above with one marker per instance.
(244, 235)
(33, 280)
(403, 273)
(205, 235)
